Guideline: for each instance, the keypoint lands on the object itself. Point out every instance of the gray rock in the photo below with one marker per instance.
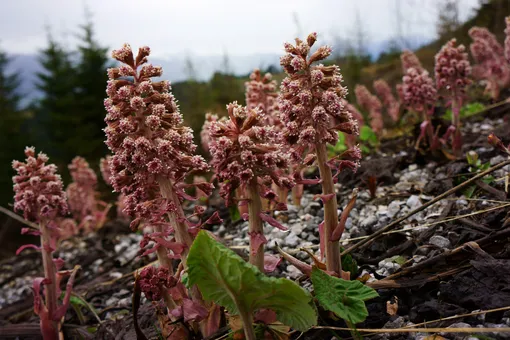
(293, 272)
(413, 202)
(368, 221)
(393, 208)
(440, 241)
(496, 160)
(297, 228)
(292, 240)
(348, 223)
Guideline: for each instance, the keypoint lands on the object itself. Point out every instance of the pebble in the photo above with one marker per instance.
(293, 272)
(413, 202)
(440, 241)
(393, 208)
(292, 240)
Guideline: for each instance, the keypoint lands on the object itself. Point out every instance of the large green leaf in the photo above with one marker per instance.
(224, 277)
(342, 297)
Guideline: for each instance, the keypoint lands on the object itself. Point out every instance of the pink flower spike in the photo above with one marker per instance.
(272, 221)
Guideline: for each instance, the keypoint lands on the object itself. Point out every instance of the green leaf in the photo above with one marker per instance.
(342, 297)
(366, 133)
(488, 179)
(224, 277)
(234, 213)
(469, 191)
(349, 264)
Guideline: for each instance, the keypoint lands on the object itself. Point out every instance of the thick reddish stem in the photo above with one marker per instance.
(255, 222)
(50, 288)
(457, 136)
(333, 262)
(176, 218)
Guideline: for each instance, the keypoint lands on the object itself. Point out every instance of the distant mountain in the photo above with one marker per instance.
(176, 68)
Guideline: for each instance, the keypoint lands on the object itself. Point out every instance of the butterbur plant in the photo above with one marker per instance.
(87, 210)
(39, 195)
(489, 56)
(350, 140)
(248, 154)
(313, 114)
(392, 106)
(452, 71)
(420, 96)
(152, 154)
(373, 105)
(410, 60)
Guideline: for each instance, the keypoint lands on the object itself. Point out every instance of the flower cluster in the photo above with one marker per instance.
(489, 56)
(507, 39)
(154, 280)
(383, 90)
(39, 194)
(204, 133)
(261, 93)
(310, 99)
(372, 104)
(243, 148)
(38, 188)
(452, 68)
(350, 140)
(146, 135)
(418, 90)
(410, 60)
(81, 192)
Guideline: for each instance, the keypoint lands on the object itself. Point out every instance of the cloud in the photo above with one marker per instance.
(205, 27)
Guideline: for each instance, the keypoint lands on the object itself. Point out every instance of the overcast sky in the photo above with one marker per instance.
(207, 27)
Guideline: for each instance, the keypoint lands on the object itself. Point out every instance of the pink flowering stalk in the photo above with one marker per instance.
(261, 94)
(383, 90)
(104, 167)
(313, 114)
(490, 60)
(248, 154)
(372, 104)
(420, 96)
(507, 39)
(82, 196)
(153, 153)
(204, 133)
(410, 60)
(39, 195)
(452, 71)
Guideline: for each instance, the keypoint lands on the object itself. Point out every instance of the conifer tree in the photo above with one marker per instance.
(11, 120)
(57, 124)
(90, 77)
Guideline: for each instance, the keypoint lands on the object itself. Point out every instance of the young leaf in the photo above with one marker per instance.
(342, 297)
(224, 277)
